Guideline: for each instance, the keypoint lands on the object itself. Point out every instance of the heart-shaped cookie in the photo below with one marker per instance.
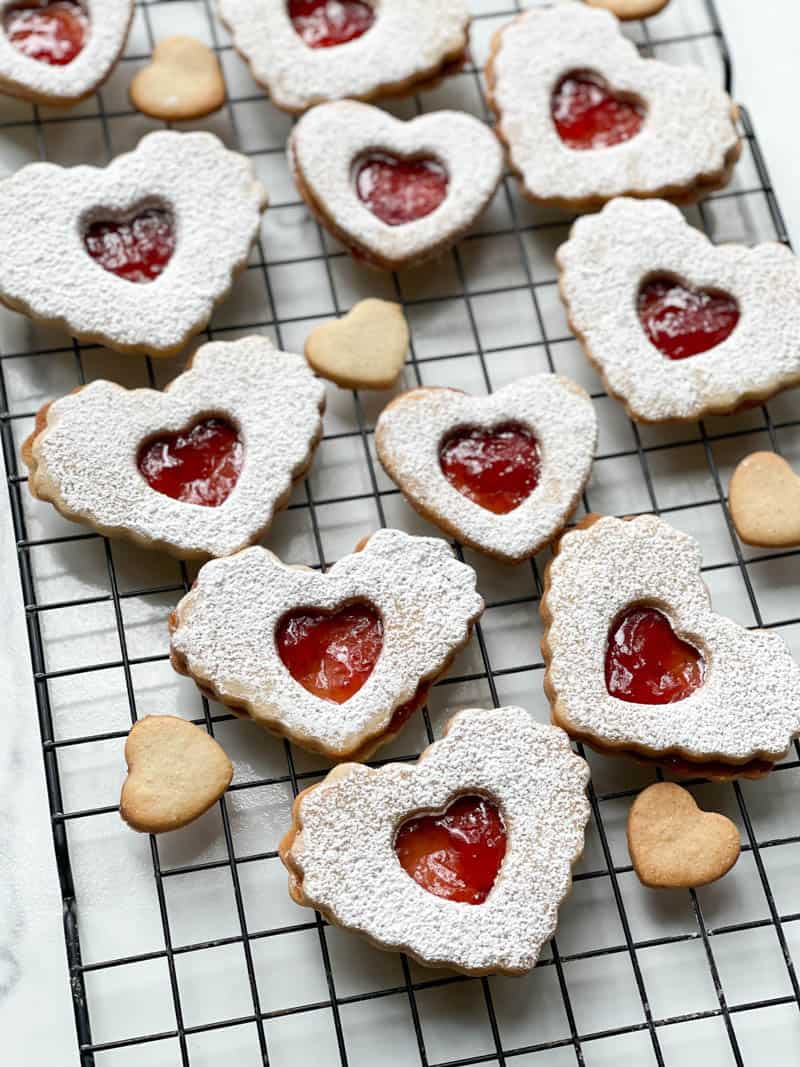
(364, 173)
(147, 247)
(675, 845)
(59, 51)
(182, 81)
(366, 349)
(501, 473)
(677, 327)
(157, 469)
(176, 771)
(630, 9)
(683, 144)
(335, 661)
(764, 498)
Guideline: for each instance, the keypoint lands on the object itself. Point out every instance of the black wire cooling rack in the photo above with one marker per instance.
(732, 1016)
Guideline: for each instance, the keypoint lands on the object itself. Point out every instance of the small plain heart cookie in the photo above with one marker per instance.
(674, 844)
(183, 81)
(366, 349)
(764, 498)
(176, 771)
(630, 9)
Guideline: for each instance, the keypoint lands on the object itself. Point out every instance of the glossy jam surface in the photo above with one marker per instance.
(327, 23)
(455, 855)
(683, 322)
(497, 469)
(51, 33)
(587, 114)
(197, 466)
(400, 190)
(138, 249)
(646, 663)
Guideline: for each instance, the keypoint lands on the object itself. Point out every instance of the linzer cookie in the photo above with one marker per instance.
(337, 662)
(395, 193)
(57, 52)
(585, 118)
(198, 470)
(501, 473)
(677, 327)
(460, 860)
(306, 52)
(638, 663)
(134, 255)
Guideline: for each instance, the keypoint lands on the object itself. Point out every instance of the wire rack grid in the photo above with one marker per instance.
(186, 950)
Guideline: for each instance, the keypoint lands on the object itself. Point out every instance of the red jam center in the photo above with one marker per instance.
(455, 855)
(646, 663)
(496, 469)
(51, 33)
(137, 250)
(683, 322)
(401, 190)
(200, 466)
(327, 23)
(587, 114)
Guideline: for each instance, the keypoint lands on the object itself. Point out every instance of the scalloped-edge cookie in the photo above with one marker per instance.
(687, 144)
(630, 9)
(206, 197)
(743, 710)
(64, 84)
(341, 858)
(329, 145)
(409, 43)
(412, 430)
(604, 266)
(88, 454)
(225, 635)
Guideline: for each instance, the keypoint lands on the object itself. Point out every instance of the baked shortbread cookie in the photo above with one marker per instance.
(486, 826)
(630, 9)
(182, 81)
(638, 664)
(764, 501)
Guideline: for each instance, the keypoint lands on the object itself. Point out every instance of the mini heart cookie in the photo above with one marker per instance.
(586, 119)
(366, 349)
(675, 845)
(486, 826)
(677, 327)
(307, 52)
(58, 52)
(147, 247)
(638, 663)
(501, 473)
(630, 9)
(764, 498)
(198, 470)
(395, 193)
(337, 661)
(182, 81)
(175, 773)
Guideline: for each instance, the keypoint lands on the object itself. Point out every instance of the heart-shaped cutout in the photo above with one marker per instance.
(683, 322)
(647, 663)
(398, 191)
(764, 498)
(198, 466)
(137, 248)
(675, 845)
(366, 349)
(497, 469)
(53, 33)
(175, 773)
(182, 81)
(630, 9)
(328, 23)
(588, 114)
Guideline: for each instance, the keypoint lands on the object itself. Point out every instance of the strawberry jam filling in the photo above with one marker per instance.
(683, 322)
(455, 855)
(587, 114)
(198, 466)
(51, 33)
(496, 469)
(646, 663)
(327, 23)
(136, 250)
(400, 190)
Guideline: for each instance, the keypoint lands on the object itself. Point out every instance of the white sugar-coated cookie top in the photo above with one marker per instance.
(603, 266)
(216, 201)
(226, 634)
(86, 458)
(108, 28)
(327, 143)
(345, 852)
(688, 132)
(410, 431)
(408, 39)
(749, 705)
